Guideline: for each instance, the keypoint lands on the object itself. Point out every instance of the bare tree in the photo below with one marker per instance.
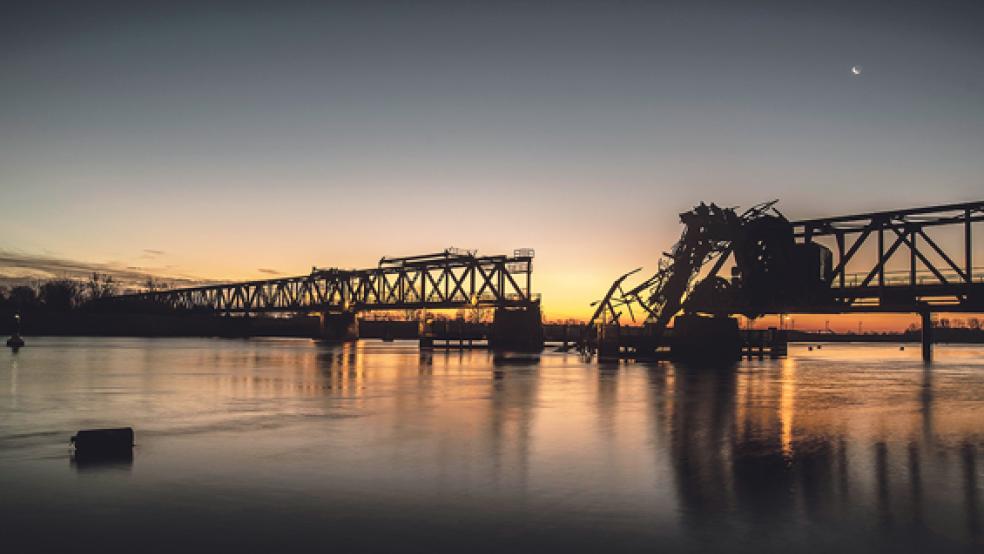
(480, 314)
(100, 286)
(153, 285)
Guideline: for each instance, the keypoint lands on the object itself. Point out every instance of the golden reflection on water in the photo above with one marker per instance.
(841, 436)
(787, 404)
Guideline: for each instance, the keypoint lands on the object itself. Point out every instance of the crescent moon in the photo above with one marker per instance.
(856, 70)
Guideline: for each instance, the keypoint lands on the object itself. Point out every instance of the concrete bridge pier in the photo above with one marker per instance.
(517, 329)
(609, 342)
(927, 336)
(339, 326)
(709, 339)
(425, 330)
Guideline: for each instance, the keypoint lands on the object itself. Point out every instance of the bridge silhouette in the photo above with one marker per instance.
(935, 279)
(841, 264)
(786, 267)
(452, 279)
(446, 280)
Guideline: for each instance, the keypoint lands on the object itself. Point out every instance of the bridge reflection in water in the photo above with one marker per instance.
(851, 448)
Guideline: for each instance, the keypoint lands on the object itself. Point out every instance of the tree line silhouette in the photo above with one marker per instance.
(63, 295)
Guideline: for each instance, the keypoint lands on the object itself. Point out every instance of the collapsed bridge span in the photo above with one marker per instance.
(783, 267)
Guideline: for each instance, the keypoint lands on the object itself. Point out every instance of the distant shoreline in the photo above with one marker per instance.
(940, 335)
(88, 324)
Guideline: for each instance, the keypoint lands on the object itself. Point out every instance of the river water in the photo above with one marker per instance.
(279, 445)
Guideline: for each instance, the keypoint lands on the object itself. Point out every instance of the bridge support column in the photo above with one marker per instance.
(517, 329)
(927, 336)
(698, 338)
(425, 330)
(339, 327)
(609, 342)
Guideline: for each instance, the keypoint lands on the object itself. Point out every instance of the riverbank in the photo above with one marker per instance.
(96, 324)
(940, 335)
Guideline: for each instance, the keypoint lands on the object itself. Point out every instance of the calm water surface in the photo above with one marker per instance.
(275, 445)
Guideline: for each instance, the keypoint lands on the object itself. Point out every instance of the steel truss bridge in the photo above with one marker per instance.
(903, 268)
(446, 280)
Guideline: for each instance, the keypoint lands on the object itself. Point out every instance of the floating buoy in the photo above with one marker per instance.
(15, 341)
(901, 348)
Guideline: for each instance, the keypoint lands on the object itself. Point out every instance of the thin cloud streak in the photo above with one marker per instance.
(17, 268)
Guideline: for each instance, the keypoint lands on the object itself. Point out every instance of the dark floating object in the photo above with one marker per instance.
(113, 460)
(810, 348)
(103, 442)
(901, 348)
(15, 341)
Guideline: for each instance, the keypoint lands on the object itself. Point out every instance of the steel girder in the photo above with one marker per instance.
(938, 274)
(445, 280)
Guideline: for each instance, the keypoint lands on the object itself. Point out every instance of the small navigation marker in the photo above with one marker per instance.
(15, 341)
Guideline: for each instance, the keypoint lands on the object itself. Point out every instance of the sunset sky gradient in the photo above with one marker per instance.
(241, 140)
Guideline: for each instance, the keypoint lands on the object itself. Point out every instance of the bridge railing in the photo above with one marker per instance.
(903, 278)
(935, 242)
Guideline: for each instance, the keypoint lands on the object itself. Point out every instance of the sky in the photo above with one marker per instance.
(245, 140)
